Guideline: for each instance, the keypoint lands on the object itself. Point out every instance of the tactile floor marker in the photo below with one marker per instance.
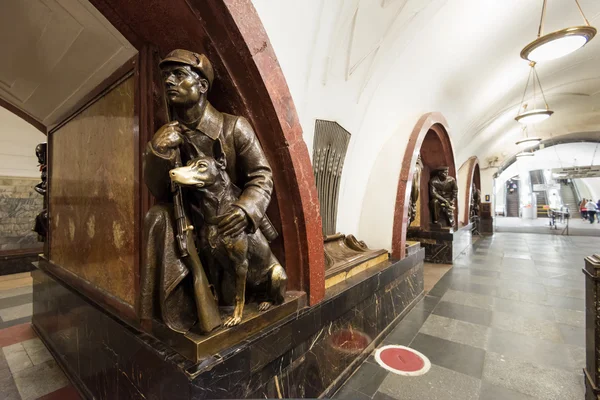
(402, 360)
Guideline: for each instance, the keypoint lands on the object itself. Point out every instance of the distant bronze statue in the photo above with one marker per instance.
(414, 193)
(443, 192)
(214, 201)
(475, 201)
(40, 225)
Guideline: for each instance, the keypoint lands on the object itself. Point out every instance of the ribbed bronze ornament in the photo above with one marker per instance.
(329, 151)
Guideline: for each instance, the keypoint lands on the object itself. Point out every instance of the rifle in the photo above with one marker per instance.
(182, 226)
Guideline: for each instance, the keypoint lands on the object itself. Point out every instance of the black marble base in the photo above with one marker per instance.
(443, 245)
(592, 327)
(307, 354)
(486, 226)
(18, 263)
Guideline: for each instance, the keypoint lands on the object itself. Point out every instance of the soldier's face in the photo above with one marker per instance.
(183, 86)
(443, 175)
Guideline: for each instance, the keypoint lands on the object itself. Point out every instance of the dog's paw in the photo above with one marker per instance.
(264, 306)
(232, 321)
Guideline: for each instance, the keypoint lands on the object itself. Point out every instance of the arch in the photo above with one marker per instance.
(248, 82)
(577, 137)
(468, 174)
(24, 116)
(432, 128)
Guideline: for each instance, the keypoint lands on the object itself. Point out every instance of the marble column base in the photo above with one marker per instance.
(307, 354)
(18, 263)
(442, 246)
(486, 226)
(592, 327)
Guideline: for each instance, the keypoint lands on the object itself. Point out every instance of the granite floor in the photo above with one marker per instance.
(27, 369)
(577, 226)
(506, 322)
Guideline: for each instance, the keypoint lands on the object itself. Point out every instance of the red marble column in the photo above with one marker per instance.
(473, 177)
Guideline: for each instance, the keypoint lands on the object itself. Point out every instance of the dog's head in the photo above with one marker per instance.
(202, 171)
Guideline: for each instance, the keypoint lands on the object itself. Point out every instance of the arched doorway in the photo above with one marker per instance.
(429, 140)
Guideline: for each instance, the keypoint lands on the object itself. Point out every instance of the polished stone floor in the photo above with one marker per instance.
(505, 323)
(577, 226)
(27, 369)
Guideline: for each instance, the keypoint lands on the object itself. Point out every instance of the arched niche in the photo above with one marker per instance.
(248, 82)
(468, 175)
(429, 138)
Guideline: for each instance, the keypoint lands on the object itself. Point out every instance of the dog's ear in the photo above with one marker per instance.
(218, 154)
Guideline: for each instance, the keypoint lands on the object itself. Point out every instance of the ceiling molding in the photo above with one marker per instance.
(61, 50)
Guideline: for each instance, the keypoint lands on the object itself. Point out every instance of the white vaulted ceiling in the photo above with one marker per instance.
(376, 66)
(54, 52)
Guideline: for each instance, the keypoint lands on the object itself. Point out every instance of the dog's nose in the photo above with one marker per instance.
(172, 173)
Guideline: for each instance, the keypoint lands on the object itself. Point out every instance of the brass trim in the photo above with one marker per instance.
(586, 31)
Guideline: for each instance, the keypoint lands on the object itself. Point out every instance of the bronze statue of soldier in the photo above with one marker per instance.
(175, 285)
(443, 192)
(475, 201)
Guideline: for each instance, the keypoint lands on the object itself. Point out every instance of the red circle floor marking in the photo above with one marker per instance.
(402, 360)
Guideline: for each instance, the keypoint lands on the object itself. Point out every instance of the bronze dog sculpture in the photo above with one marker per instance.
(232, 261)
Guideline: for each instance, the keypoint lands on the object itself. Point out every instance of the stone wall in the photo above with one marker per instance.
(19, 204)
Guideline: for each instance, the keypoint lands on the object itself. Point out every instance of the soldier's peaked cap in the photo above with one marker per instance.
(198, 62)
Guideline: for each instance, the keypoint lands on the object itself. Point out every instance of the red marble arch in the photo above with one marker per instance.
(433, 127)
(248, 82)
(473, 176)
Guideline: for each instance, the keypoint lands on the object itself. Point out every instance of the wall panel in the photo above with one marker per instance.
(92, 194)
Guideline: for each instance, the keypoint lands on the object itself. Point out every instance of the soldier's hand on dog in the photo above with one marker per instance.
(167, 137)
(233, 223)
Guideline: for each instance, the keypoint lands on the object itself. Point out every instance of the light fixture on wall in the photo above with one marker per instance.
(527, 141)
(560, 43)
(535, 114)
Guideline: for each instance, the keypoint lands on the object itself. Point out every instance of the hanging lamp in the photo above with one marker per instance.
(535, 114)
(527, 141)
(560, 43)
(525, 154)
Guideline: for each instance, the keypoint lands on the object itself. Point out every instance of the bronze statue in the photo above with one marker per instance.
(41, 220)
(475, 201)
(195, 214)
(233, 259)
(414, 193)
(443, 192)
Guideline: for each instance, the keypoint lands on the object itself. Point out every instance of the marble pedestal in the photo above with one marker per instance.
(18, 263)
(306, 354)
(486, 226)
(442, 246)
(592, 327)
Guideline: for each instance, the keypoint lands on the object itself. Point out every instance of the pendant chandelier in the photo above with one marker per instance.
(560, 43)
(525, 154)
(535, 114)
(527, 141)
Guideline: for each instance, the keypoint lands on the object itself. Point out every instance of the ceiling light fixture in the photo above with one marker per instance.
(560, 43)
(536, 114)
(527, 141)
(525, 154)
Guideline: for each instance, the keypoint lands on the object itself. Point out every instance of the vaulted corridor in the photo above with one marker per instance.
(506, 322)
